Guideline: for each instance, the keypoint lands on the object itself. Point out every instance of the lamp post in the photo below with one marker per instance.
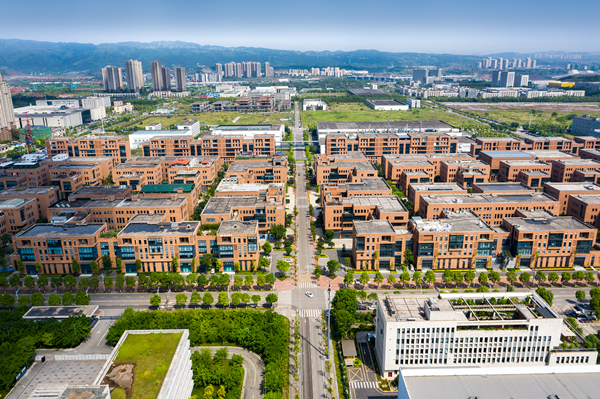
(75, 329)
(329, 321)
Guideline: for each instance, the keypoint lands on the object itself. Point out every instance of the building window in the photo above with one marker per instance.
(202, 247)
(54, 247)
(584, 247)
(456, 242)
(484, 248)
(360, 243)
(186, 251)
(398, 245)
(524, 247)
(386, 250)
(425, 249)
(555, 240)
(155, 245)
(225, 251)
(27, 254)
(252, 245)
(104, 249)
(88, 253)
(127, 253)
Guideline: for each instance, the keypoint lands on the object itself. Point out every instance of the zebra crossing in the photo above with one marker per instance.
(308, 284)
(363, 384)
(310, 312)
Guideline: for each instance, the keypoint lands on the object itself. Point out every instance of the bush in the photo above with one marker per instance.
(357, 362)
(547, 295)
(483, 289)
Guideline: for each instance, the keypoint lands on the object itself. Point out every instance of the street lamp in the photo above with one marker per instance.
(329, 321)
(75, 329)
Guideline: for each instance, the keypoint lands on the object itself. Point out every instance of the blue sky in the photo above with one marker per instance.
(431, 26)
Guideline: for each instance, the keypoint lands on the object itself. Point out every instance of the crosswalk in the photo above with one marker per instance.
(307, 284)
(310, 312)
(363, 384)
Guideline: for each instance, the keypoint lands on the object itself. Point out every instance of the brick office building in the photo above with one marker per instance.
(415, 190)
(381, 237)
(116, 147)
(534, 179)
(563, 169)
(268, 212)
(562, 191)
(435, 159)
(509, 170)
(256, 170)
(495, 144)
(585, 207)
(44, 196)
(337, 169)
(464, 171)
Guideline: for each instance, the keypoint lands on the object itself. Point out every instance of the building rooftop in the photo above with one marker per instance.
(183, 135)
(384, 101)
(137, 165)
(373, 227)
(358, 165)
(383, 125)
(14, 202)
(274, 127)
(76, 166)
(491, 187)
(155, 133)
(348, 155)
(27, 190)
(483, 198)
(231, 227)
(227, 186)
(384, 203)
(154, 159)
(466, 163)
(535, 173)
(577, 162)
(507, 154)
(166, 188)
(454, 222)
(589, 199)
(366, 184)
(437, 187)
(548, 222)
(245, 166)
(524, 162)
(159, 229)
(548, 154)
(411, 162)
(452, 156)
(100, 190)
(59, 312)
(60, 231)
(573, 186)
(141, 202)
(495, 139)
(224, 205)
(366, 92)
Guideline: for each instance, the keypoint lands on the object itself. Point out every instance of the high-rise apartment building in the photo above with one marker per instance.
(269, 71)
(180, 84)
(239, 70)
(219, 69)
(161, 77)
(135, 76)
(7, 112)
(112, 79)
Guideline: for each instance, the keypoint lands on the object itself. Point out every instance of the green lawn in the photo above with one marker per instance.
(152, 354)
(360, 112)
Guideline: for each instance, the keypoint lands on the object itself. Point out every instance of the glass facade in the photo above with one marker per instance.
(186, 251)
(225, 251)
(584, 247)
(27, 254)
(425, 249)
(155, 245)
(127, 253)
(252, 245)
(88, 253)
(398, 245)
(484, 248)
(386, 250)
(524, 247)
(456, 242)
(555, 240)
(360, 243)
(104, 248)
(201, 247)
(54, 247)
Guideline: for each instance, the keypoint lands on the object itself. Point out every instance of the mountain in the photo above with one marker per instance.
(33, 56)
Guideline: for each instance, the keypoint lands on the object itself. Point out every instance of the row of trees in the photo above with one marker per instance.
(265, 333)
(208, 299)
(37, 299)
(57, 282)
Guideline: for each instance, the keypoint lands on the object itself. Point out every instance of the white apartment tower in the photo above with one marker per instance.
(180, 83)
(135, 76)
(7, 112)
(161, 77)
(112, 79)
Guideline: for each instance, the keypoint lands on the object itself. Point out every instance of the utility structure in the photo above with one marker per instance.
(26, 134)
(329, 322)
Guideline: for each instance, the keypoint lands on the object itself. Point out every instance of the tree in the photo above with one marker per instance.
(221, 392)
(224, 280)
(283, 266)
(155, 300)
(75, 266)
(94, 283)
(483, 278)
(246, 298)
(82, 299)
(107, 263)
(547, 295)
(138, 265)
(120, 281)
(223, 299)
(56, 282)
(21, 267)
(372, 296)
(540, 276)
(349, 278)
(143, 281)
(270, 279)
(430, 278)
(288, 250)
(196, 298)
(448, 277)
(175, 264)
(236, 298)
(266, 247)
(278, 231)
(70, 282)
(83, 283)
(271, 299)
(94, 266)
(566, 277)
(15, 281)
(317, 272)
(24, 300)
(208, 392)
(364, 278)
(207, 299)
(260, 280)
(328, 235)
(580, 295)
(524, 278)
(7, 300)
(68, 298)
(256, 299)
(458, 278)
(248, 281)
(470, 277)
(494, 277)
(511, 277)
(405, 278)
(417, 278)
(333, 266)
(181, 299)
(553, 277)
(108, 283)
(589, 277)
(54, 300)
(129, 282)
(29, 282)
(391, 280)
(278, 244)
(202, 281)
(578, 276)
(37, 299)
(362, 294)
(206, 261)
(408, 258)
(238, 281)
(3, 281)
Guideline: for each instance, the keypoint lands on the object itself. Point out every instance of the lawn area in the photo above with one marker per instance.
(213, 118)
(152, 354)
(360, 112)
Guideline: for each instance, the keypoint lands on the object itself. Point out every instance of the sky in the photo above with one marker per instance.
(430, 26)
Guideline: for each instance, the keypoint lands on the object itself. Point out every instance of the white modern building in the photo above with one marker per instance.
(413, 103)
(154, 126)
(249, 131)
(143, 136)
(57, 103)
(386, 105)
(471, 330)
(191, 124)
(53, 116)
(93, 102)
(314, 105)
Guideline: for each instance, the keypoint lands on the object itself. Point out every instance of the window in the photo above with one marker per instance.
(360, 243)
(186, 251)
(398, 246)
(584, 247)
(201, 247)
(27, 254)
(484, 248)
(104, 248)
(555, 240)
(252, 246)
(225, 251)
(88, 253)
(425, 249)
(386, 250)
(456, 242)
(524, 247)
(54, 247)
(127, 253)
(155, 245)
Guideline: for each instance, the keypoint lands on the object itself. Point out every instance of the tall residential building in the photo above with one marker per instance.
(219, 69)
(239, 71)
(180, 84)
(7, 112)
(135, 76)
(269, 71)
(229, 69)
(528, 63)
(112, 78)
(161, 77)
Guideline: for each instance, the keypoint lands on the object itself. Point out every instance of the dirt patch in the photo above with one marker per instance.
(120, 376)
(80, 395)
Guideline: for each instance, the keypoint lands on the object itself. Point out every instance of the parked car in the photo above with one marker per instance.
(356, 281)
(212, 271)
(309, 294)
(289, 260)
(361, 307)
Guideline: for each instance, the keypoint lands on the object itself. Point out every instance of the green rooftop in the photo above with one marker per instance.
(166, 188)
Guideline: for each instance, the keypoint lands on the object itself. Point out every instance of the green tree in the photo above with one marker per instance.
(547, 295)
(196, 298)
(271, 299)
(511, 277)
(15, 281)
(181, 299)
(470, 277)
(236, 298)
(430, 278)
(495, 277)
(288, 249)
(417, 278)
(108, 283)
(540, 276)
(458, 278)
(24, 300)
(333, 266)
(138, 265)
(202, 281)
(566, 277)
(589, 277)
(553, 277)
(155, 300)
(106, 262)
(482, 278)
(524, 278)
(206, 261)
(207, 299)
(56, 282)
(94, 283)
(175, 264)
(7, 300)
(266, 247)
(224, 280)
(408, 258)
(75, 266)
(372, 296)
(143, 281)
(83, 283)
(349, 278)
(317, 272)
(82, 299)
(256, 299)
(283, 266)
(260, 280)
(391, 280)
(54, 300)
(238, 281)
(130, 282)
(328, 235)
(278, 231)
(248, 281)
(578, 276)
(580, 295)
(70, 282)
(3, 281)
(37, 299)
(364, 278)
(68, 298)
(120, 281)
(29, 282)
(246, 298)
(223, 298)
(405, 278)
(448, 277)
(270, 279)
(362, 294)
(94, 266)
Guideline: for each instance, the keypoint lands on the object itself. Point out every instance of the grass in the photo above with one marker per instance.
(212, 118)
(360, 112)
(118, 393)
(152, 355)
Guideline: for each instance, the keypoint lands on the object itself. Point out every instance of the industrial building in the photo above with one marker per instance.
(386, 105)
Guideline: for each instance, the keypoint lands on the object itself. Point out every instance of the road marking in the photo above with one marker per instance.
(363, 384)
(310, 313)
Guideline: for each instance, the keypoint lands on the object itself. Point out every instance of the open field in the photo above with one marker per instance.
(520, 112)
(360, 112)
(152, 355)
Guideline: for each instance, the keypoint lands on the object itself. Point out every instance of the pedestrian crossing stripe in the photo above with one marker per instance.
(363, 384)
(310, 312)
(307, 284)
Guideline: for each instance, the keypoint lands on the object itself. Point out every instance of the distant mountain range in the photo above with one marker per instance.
(29, 56)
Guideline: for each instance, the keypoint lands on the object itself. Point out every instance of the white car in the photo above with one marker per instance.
(309, 294)
(288, 260)
(212, 271)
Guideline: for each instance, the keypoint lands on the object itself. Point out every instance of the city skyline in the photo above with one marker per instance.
(332, 28)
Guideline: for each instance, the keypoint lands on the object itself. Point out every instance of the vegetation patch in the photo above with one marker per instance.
(217, 376)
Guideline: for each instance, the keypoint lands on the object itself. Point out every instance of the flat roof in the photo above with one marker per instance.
(547, 223)
(274, 127)
(391, 101)
(141, 202)
(349, 348)
(435, 187)
(63, 230)
(507, 154)
(166, 188)
(410, 162)
(366, 184)
(451, 156)
(385, 203)
(551, 154)
(159, 132)
(366, 92)
(534, 173)
(383, 125)
(159, 229)
(77, 166)
(358, 165)
(495, 139)
(14, 202)
(101, 190)
(28, 190)
(373, 227)
(59, 312)
(224, 205)
(515, 386)
(503, 187)
(577, 161)
(244, 166)
(486, 198)
(574, 186)
(524, 162)
(590, 199)
(138, 165)
(230, 227)
(349, 155)
(229, 187)
(456, 225)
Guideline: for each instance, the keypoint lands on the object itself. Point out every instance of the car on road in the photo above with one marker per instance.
(372, 307)
(267, 257)
(356, 281)
(309, 294)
